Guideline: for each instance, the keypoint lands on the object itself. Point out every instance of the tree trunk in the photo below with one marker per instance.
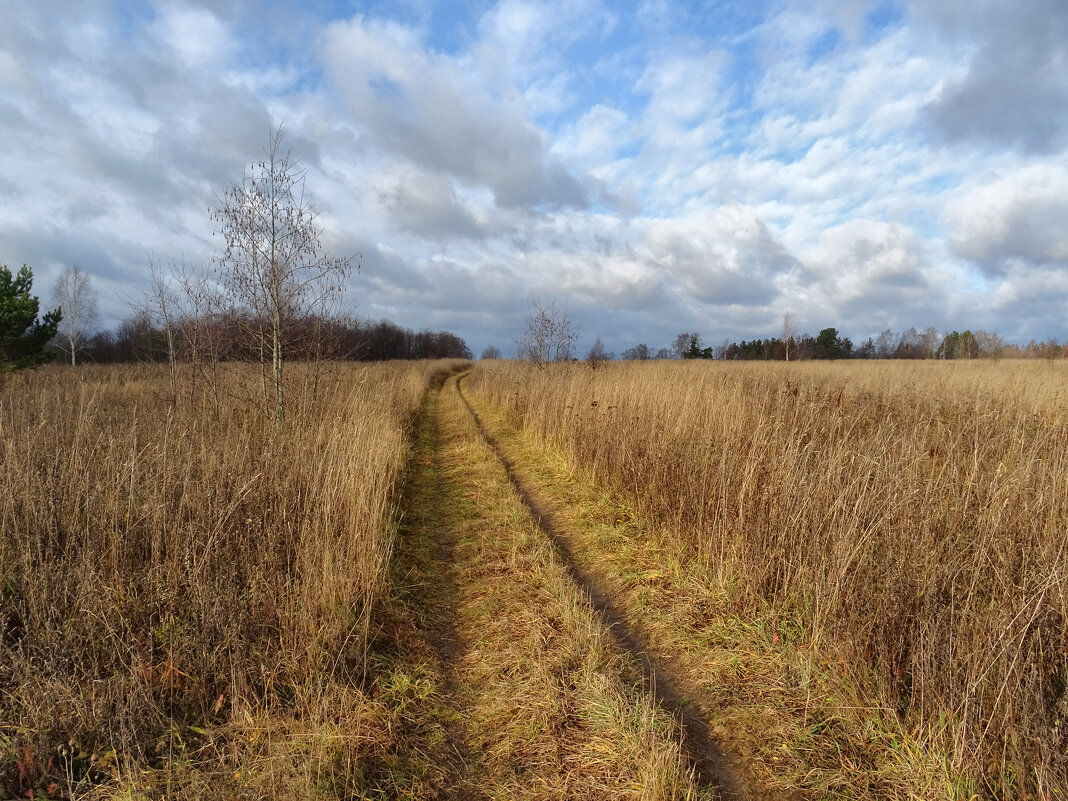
(172, 362)
(262, 338)
(276, 352)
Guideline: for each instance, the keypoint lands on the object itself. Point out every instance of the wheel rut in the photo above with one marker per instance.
(444, 636)
(508, 684)
(427, 550)
(710, 762)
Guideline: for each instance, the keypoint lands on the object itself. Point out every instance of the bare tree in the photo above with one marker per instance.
(597, 355)
(184, 303)
(77, 297)
(931, 338)
(201, 306)
(682, 344)
(990, 345)
(885, 344)
(491, 352)
(272, 261)
(548, 335)
(789, 335)
(161, 304)
(639, 353)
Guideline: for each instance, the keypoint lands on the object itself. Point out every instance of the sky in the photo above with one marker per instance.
(657, 166)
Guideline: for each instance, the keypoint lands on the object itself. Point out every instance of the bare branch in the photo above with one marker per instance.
(272, 263)
(77, 297)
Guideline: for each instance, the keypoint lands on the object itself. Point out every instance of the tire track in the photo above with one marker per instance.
(529, 696)
(709, 760)
(429, 561)
(442, 630)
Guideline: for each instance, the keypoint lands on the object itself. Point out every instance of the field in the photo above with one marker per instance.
(181, 589)
(649, 580)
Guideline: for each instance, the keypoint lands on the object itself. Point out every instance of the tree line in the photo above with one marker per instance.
(164, 325)
(549, 336)
(141, 338)
(911, 343)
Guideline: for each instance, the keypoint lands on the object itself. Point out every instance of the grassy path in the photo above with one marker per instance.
(499, 677)
(660, 679)
(792, 723)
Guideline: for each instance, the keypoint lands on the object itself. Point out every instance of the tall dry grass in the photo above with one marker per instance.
(911, 516)
(171, 570)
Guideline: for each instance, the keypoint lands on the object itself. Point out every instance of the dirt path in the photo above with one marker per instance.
(767, 714)
(434, 600)
(510, 683)
(580, 654)
(710, 762)
(661, 675)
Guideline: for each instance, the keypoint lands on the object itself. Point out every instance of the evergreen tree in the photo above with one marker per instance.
(22, 336)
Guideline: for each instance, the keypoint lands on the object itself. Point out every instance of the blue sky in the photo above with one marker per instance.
(658, 166)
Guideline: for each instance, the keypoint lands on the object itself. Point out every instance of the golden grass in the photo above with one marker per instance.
(186, 595)
(792, 721)
(540, 702)
(910, 518)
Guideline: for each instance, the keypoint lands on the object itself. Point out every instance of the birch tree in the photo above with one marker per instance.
(161, 303)
(548, 335)
(77, 297)
(272, 261)
(789, 335)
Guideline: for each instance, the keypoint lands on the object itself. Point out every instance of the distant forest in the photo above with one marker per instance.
(140, 339)
(828, 344)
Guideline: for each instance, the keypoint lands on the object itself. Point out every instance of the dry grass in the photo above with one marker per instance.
(911, 518)
(186, 595)
(527, 690)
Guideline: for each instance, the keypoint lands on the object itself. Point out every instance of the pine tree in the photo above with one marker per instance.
(22, 336)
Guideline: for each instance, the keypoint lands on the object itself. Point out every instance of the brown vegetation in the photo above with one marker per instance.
(186, 592)
(909, 517)
(511, 686)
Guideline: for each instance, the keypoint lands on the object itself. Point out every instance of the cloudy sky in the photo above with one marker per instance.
(659, 166)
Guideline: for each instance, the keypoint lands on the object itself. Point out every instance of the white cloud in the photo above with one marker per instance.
(721, 257)
(597, 137)
(196, 36)
(1020, 216)
(866, 275)
(430, 109)
(523, 44)
(428, 206)
(683, 167)
(1013, 91)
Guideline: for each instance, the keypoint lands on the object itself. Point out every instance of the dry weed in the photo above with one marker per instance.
(179, 580)
(909, 516)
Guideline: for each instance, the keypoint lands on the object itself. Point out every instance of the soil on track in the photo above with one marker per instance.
(420, 637)
(441, 626)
